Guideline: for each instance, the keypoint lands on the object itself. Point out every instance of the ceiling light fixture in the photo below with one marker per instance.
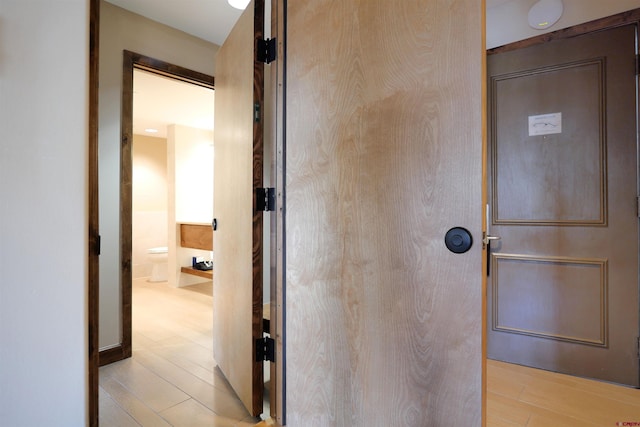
(151, 130)
(545, 13)
(239, 4)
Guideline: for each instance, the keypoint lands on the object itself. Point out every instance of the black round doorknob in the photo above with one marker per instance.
(458, 240)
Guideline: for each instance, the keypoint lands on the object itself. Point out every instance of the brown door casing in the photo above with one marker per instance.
(93, 238)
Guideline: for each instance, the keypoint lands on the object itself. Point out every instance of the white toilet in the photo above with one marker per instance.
(158, 257)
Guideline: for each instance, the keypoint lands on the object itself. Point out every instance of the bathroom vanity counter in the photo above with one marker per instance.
(196, 236)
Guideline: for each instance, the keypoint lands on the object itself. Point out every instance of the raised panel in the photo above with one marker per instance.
(556, 178)
(544, 296)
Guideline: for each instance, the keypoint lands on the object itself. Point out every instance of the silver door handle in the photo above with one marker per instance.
(488, 239)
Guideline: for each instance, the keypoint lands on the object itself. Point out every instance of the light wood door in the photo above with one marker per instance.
(563, 289)
(237, 288)
(384, 152)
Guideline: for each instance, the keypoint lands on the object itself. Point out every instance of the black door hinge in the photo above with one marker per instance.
(98, 244)
(265, 199)
(266, 50)
(265, 349)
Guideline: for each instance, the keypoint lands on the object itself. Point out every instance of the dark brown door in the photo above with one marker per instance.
(237, 283)
(384, 149)
(563, 287)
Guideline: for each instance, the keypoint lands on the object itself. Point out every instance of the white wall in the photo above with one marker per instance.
(191, 151)
(119, 30)
(43, 212)
(508, 22)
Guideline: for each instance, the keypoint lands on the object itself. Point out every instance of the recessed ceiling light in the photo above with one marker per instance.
(151, 130)
(239, 4)
(545, 13)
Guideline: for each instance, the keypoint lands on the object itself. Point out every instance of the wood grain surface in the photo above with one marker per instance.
(196, 236)
(384, 149)
(234, 297)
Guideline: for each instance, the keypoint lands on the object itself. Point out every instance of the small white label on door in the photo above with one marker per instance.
(545, 124)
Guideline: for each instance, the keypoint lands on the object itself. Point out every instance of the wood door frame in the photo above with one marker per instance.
(277, 289)
(93, 241)
(94, 356)
(258, 216)
(132, 61)
(624, 18)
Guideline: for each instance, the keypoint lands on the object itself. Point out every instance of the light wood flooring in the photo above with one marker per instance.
(172, 379)
(519, 396)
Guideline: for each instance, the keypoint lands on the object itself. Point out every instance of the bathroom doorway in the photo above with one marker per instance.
(135, 244)
(133, 61)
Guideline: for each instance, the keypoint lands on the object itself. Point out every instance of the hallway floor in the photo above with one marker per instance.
(518, 396)
(172, 378)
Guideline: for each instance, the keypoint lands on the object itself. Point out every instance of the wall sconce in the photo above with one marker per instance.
(545, 13)
(239, 4)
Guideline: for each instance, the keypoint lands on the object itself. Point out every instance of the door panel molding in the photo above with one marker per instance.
(530, 206)
(580, 275)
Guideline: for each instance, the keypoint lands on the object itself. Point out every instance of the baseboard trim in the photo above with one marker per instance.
(113, 354)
